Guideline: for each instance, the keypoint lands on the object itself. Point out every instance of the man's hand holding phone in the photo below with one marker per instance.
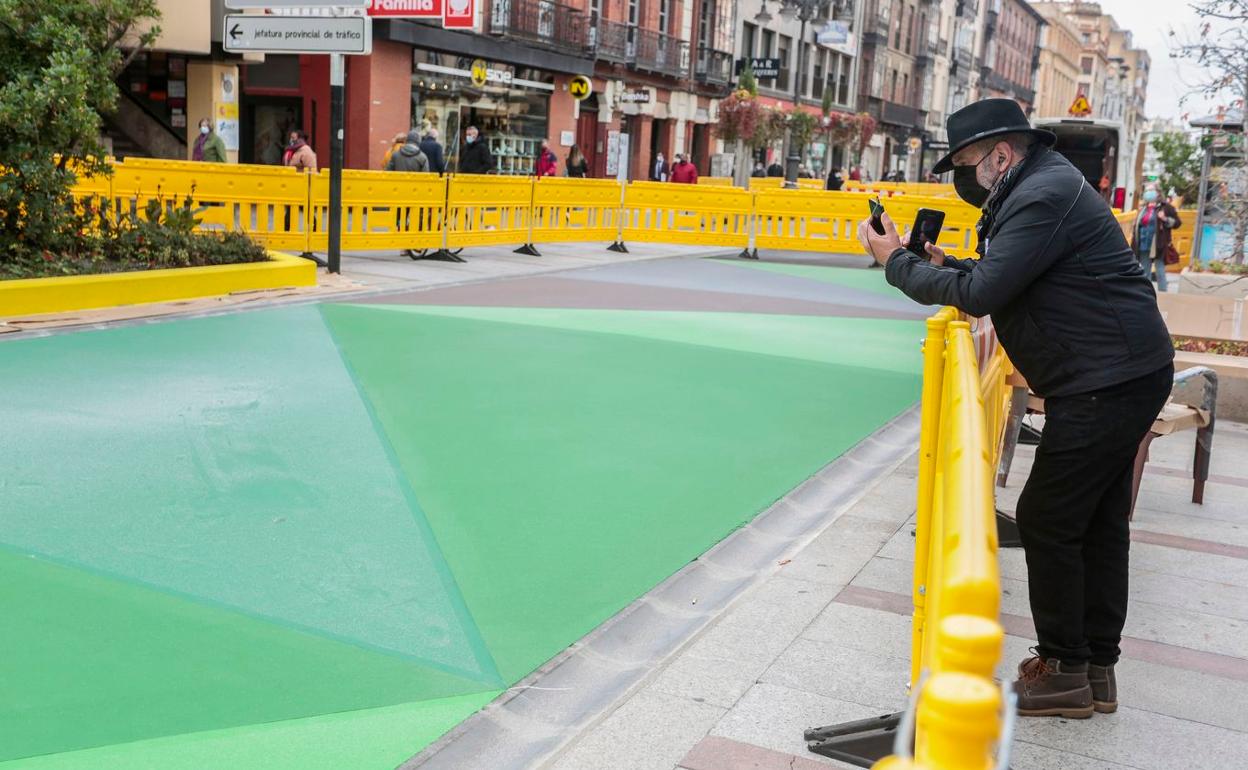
(879, 245)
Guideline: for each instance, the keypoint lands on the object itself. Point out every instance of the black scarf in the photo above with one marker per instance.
(1001, 191)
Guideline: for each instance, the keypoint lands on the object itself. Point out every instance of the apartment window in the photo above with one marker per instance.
(900, 18)
(905, 88)
(782, 53)
(664, 5)
(804, 62)
(704, 23)
(842, 79)
(1085, 65)
(816, 90)
(892, 89)
(909, 27)
(748, 33)
(631, 35)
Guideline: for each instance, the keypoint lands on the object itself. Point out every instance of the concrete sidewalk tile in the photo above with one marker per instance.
(774, 717)
(716, 753)
(861, 628)
(1201, 595)
(1176, 561)
(1187, 628)
(859, 676)
(717, 681)
(783, 605)
(886, 575)
(1029, 756)
(840, 551)
(1140, 739)
(1197, 527)
(649, 731)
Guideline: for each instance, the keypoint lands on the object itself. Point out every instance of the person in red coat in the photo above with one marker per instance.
(547, 163)
(684, 172)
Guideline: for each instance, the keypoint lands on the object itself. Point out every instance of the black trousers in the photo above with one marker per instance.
(1072, 516)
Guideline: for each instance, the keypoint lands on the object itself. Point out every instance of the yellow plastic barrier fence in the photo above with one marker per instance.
(656, 212)
(488, 209)
(270, 203)
(381, 210)
(575, 210)
(803, 220)
(888, 189)
(716, 181)
(766, 183)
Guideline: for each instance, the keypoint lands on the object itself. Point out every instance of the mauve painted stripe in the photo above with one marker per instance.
(717, 753)
(1189, 543)
(1160, 653)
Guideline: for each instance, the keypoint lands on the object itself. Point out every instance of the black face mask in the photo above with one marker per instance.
(967, 186)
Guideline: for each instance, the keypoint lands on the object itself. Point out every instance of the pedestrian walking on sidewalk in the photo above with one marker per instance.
(684, 172)
(475, 158)
(547, 163)
(577, 167)
(409, 157)
(1079, 319)
(398, 141)
(209, 147)
(1151, 237)
(432, 149)
(299, 154)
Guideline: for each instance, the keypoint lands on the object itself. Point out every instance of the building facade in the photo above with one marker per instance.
(1057, 80)
(1010, 53)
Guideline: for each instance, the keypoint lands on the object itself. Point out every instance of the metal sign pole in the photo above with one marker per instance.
(337, 79)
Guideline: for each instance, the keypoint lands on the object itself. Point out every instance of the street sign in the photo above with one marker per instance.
(239, 5)
(298, 34)
(479, 72)
(915, 143)
(763, 68)
(580, 87)
(459, 14)
(634, 96)
(1080, 107)
(409, 9)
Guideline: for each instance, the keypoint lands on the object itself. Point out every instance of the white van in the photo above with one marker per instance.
(1101, 150)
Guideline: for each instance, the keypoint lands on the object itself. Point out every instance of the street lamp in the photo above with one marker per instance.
(805, 11)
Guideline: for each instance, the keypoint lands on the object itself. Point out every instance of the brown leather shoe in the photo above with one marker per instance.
(1049, 688)
(1104, 688)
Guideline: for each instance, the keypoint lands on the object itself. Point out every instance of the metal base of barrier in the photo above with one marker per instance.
(619, 247)
(1028, 435)
(441, 255)
(529, 250)
(312, 257)
(860, 743)
(746, 254)
(1007, 531)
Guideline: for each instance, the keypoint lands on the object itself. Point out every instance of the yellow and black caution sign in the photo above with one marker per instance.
(1080, 107)
(479, 72)
(580, 87)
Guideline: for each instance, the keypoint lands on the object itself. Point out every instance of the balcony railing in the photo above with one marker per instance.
(611, 41)
(902, 115)
(713, 66)
(657, 52)
(552, 24)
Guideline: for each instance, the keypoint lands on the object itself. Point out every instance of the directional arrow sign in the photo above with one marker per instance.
(298, 34)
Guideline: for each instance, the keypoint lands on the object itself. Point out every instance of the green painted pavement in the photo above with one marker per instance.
(890, 345)
(90, 661)
(852, 277)
(566, 472)
(375, 738)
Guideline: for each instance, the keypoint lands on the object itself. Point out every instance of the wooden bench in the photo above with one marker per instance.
(1192, 406)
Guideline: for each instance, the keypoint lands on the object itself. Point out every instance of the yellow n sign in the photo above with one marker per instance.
(1080, 107)
(580, 87)
(480, 72)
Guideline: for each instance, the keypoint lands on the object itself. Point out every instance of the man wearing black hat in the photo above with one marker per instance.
(1079, 319)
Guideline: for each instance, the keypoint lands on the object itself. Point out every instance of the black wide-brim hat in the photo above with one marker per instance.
(983, 119)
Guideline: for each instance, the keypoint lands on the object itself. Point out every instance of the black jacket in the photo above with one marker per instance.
(475, 158)
(1067, 297)
(433, 151)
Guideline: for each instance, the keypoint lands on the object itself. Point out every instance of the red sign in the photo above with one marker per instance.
(412, 9)
(458, 13)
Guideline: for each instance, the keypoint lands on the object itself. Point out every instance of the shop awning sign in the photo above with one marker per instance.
(580, 87)
(634, 96)
(763, 68)
(481, 73)
(405, 9)
(298, 34)
(459, 14)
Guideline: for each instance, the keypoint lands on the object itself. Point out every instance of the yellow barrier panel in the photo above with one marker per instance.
(381, 210)
(269, 203)
(804, 220)
(716, 181)
(575, 210)
(656, 212)
(766, 183)
(888, 189)
(487, 209)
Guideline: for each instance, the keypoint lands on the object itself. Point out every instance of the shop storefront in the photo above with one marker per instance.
(511, 108)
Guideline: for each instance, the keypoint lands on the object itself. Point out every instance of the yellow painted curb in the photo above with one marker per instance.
(30, 296)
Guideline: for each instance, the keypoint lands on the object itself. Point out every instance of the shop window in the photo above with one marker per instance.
(748, 33)
(156, 82)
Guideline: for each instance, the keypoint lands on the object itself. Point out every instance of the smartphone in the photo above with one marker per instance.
(877, 211)
(927, 224)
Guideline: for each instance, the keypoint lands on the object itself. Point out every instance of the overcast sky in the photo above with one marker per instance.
(1150, 22)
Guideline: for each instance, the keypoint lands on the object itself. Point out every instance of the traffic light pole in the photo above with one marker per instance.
(337, 101)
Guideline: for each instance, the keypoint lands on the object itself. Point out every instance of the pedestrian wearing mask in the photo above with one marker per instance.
(1074, 311)
(660, 169)
(409, 157)
(475, 158)
(577, 167)
(299, 154)
(1151, 238)
(432, 149)
(547, 163)
(209, 147)
(835, 179)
